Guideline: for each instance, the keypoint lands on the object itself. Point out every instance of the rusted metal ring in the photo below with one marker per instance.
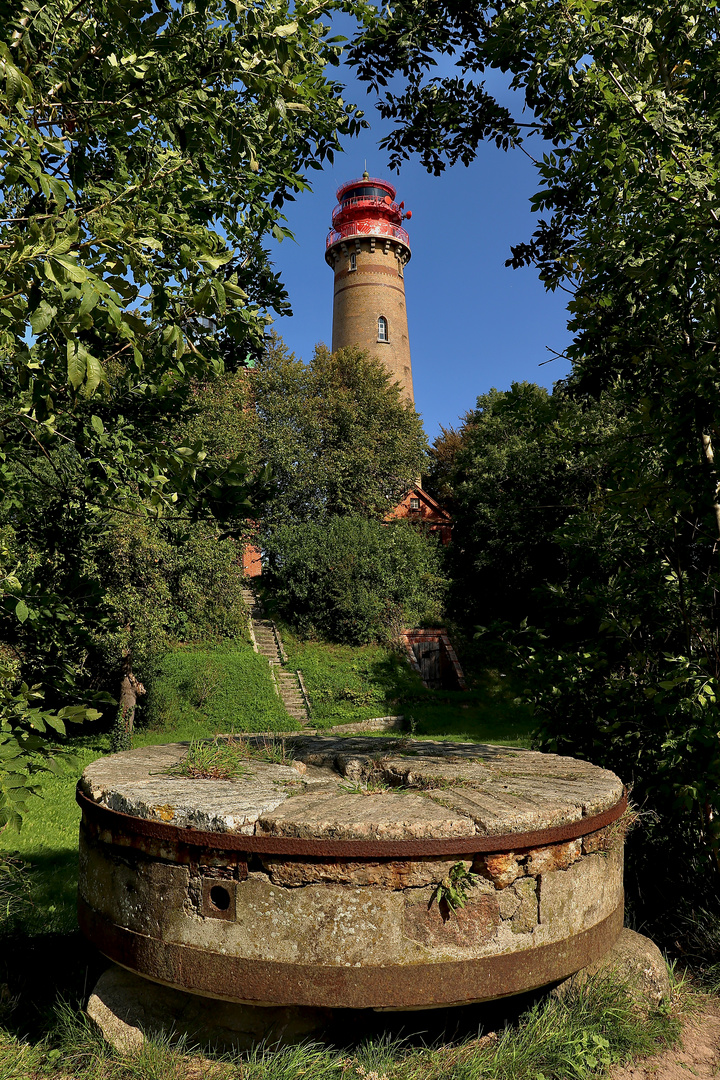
(130, 831)
(256, 981)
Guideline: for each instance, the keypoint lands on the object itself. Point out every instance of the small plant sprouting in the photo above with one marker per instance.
(374, 785)
(452, 892)
(228, 757)
(212, 760)
(375, 782)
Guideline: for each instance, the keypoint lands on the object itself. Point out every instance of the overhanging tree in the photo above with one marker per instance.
(621, 97)
(146, 148)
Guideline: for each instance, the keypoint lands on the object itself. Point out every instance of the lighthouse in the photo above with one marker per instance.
(368, 250)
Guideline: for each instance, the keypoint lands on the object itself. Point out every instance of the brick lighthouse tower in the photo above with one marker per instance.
(368, 249)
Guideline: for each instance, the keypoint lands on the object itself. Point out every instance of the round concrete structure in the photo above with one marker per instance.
(315, 882)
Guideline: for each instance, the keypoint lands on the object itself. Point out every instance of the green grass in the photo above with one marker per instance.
(577, 1038)
(347, 684)
(227, 688)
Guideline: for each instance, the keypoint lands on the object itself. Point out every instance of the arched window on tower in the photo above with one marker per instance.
(353, 261)
(383, 329)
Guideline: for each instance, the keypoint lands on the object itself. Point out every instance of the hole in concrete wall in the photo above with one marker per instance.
(220, 897)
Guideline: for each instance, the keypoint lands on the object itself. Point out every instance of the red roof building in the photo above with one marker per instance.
(418, 506)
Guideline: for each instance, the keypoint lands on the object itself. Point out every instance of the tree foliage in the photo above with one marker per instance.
(523, 464)
(337, 434)
(621, 113)
(350, 579)
(146, 148)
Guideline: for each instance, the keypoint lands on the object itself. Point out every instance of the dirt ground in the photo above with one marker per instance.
(698, 1056)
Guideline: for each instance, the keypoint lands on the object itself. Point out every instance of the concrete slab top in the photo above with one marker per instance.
(357, 788)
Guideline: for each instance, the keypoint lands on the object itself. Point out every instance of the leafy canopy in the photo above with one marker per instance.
(337, 434)
(621, 114)
(146, 149)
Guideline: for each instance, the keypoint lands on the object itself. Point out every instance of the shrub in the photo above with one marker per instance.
(353, 580)
(167, 583)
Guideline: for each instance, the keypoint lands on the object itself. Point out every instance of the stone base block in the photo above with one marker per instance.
(635, 960)
(127, 1007)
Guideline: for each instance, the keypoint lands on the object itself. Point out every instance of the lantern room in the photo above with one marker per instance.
(367, 207)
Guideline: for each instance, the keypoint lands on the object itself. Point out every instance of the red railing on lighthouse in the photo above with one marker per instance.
(370, 210)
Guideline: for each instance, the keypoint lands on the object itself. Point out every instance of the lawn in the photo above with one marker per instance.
(347, 684)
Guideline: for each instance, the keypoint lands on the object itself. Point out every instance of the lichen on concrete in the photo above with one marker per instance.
(346, 912)
(439, 789)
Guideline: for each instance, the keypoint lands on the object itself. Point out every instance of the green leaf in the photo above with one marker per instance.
(95, 375)
(14, 89)
(69, 264)
(76, 364)
(21, 611)
(42, 316)
(90, 298)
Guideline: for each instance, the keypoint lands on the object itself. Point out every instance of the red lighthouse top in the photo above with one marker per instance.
(367, 207)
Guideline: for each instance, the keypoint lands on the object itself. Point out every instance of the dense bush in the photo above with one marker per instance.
(571, 533)
(522, 464)
(353, 580)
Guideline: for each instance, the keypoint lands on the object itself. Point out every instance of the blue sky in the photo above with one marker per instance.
(473, 323)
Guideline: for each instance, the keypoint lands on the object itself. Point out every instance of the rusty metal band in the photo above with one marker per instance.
(128, 831)
(234, 978)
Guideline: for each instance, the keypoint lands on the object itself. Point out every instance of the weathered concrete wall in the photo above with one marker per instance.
(332, 913)
(321, 913)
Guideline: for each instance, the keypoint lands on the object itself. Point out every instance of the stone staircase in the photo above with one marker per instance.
(267, 641)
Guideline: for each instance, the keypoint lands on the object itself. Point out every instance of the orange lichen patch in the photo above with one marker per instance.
(165, 813)
(502, 869)
(390, 874)
(543, 860)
